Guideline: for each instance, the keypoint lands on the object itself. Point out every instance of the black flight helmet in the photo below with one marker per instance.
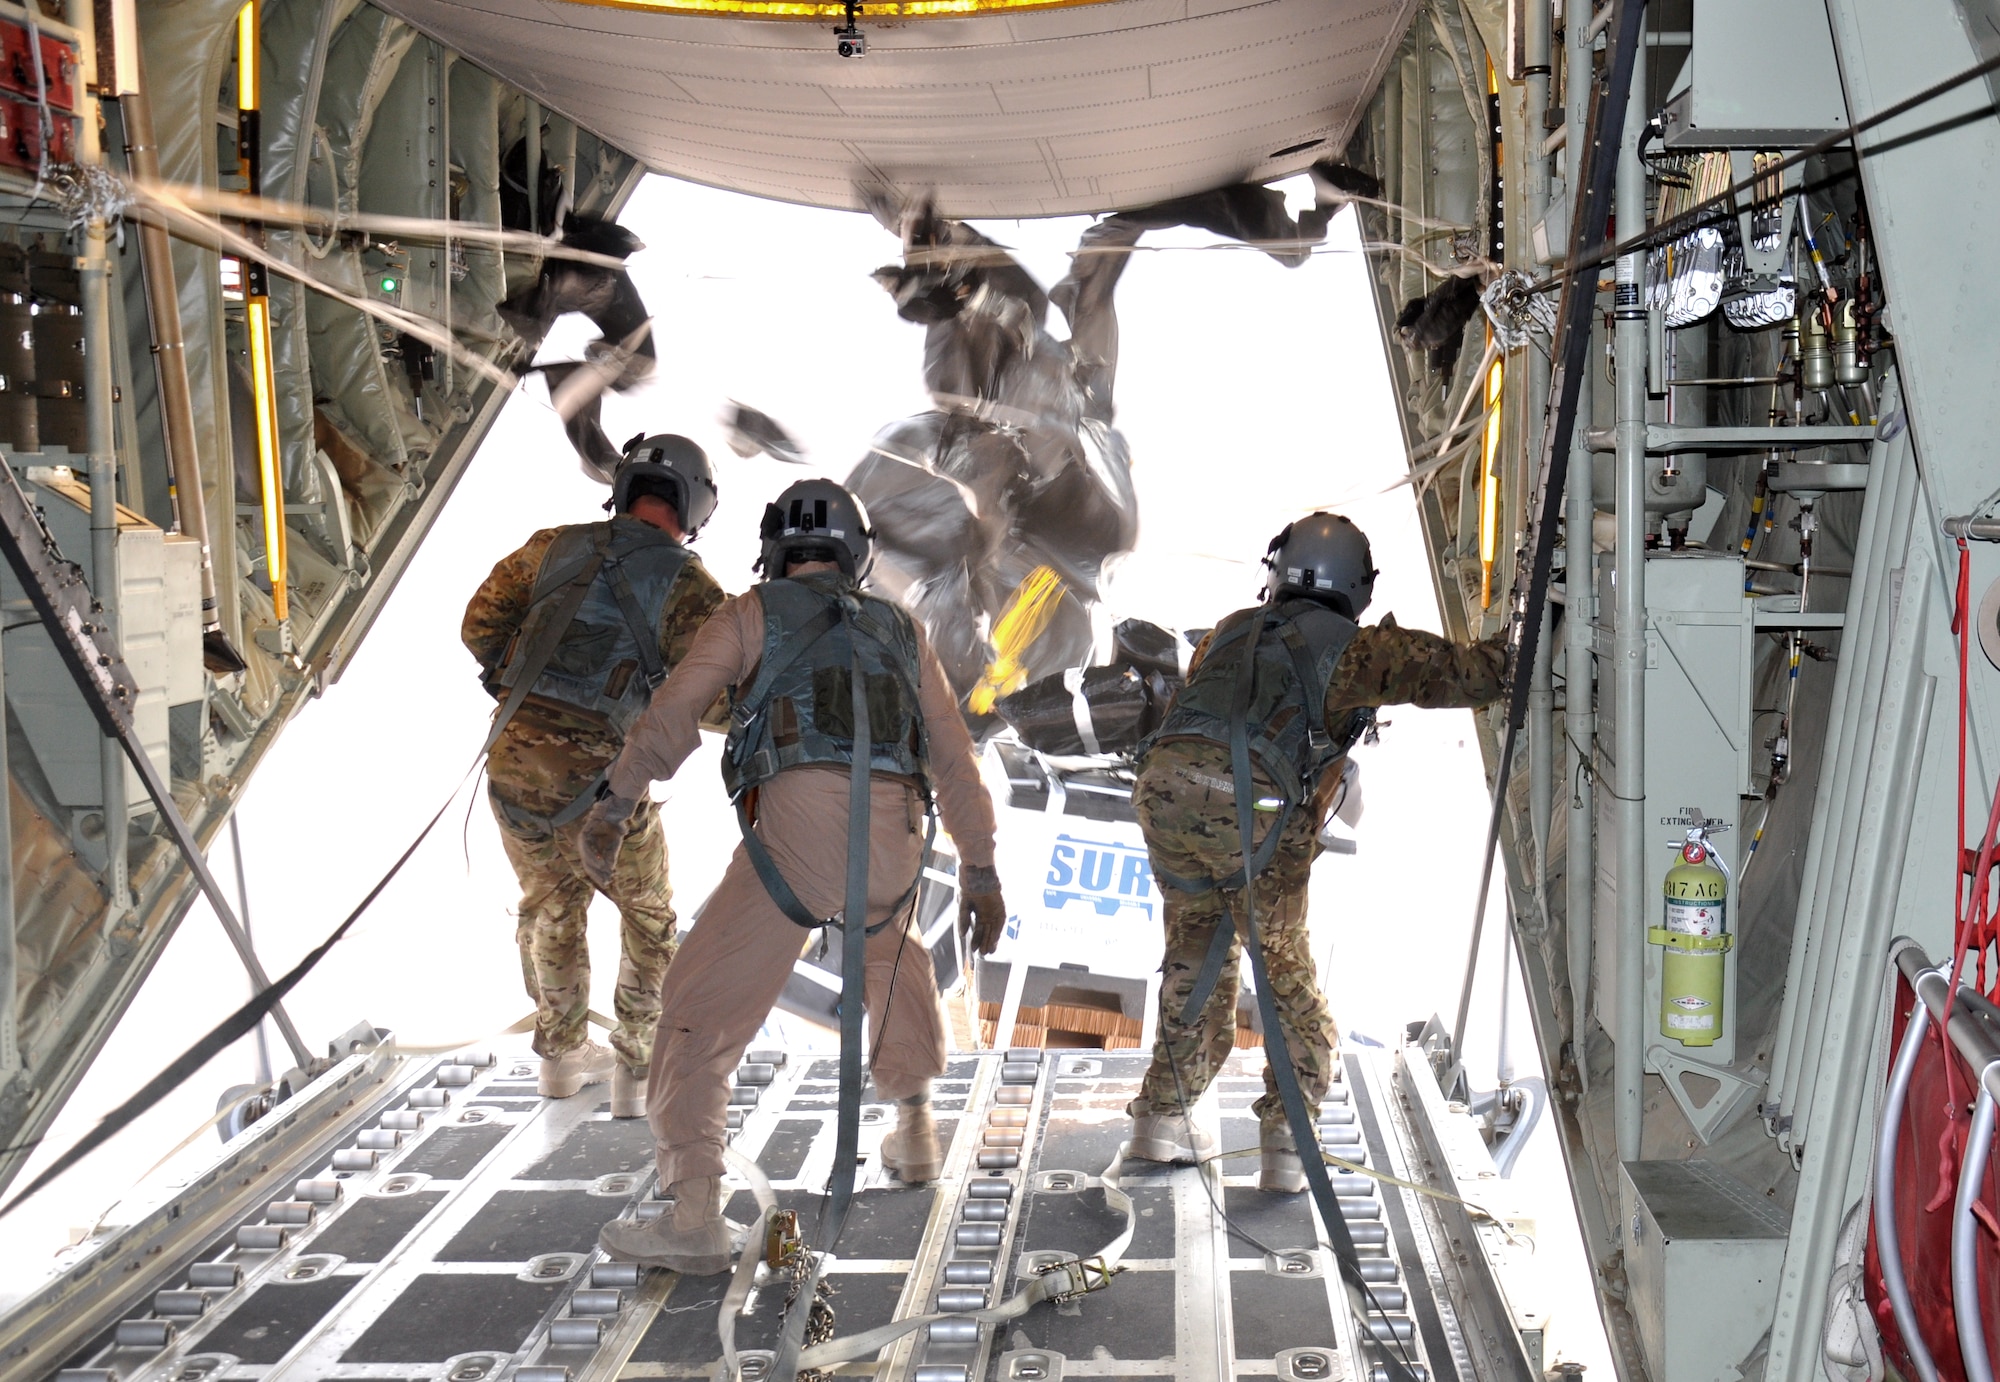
(1322, 557)
(671, 467)
(816, 520)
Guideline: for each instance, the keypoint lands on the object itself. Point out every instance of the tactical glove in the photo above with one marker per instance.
(982, 912)
(602, 836)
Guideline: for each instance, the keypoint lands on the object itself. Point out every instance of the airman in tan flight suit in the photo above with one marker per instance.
(786, 652)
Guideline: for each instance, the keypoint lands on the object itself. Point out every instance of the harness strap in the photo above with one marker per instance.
(1059, 1282)
(1236, 878)
(853, 923)
(547, 636)
(853, 954)
(1302, 668)
(767, 872)
(579, 804)
(796, 646)
(1211, 971)
(1278, 1057)
(644, 635)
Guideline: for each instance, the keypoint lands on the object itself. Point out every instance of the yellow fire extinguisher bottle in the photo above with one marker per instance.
(1696, 940)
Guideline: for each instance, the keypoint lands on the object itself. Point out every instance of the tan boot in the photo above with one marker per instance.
(1281, 1172)
(564, 1075)
(628, 1092)
(692, 1239)
(911, 1153)
(1168, 1137)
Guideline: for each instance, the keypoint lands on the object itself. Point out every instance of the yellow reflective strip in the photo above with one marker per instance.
(270, 483)
(246, 57)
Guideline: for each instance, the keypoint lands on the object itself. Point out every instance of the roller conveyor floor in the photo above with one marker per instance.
(445, 1229)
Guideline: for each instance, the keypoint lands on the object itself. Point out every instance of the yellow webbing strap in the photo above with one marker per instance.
(1014, 632)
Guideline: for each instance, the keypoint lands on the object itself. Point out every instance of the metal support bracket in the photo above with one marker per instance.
(60, 595)
(1762, 267)
(1736, 1089)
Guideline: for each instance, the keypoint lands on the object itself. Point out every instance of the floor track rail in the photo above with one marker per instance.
(443, 1229)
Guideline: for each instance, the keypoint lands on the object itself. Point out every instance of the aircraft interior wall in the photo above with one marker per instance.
(1845, 691)
(373, 426)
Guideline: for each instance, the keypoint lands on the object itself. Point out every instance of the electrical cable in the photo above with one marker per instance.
(1597, 256)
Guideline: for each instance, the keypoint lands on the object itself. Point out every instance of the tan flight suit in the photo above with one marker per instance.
(734, 964)
(546, 756)
(1186, 802)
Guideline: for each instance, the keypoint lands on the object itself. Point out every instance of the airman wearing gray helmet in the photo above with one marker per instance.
(797, 653)
(1313, 678)
(572, 633)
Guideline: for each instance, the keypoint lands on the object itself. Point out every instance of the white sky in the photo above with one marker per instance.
(1249, 394)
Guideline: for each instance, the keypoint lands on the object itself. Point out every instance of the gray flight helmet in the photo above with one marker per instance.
(1322, 557)
(817, 520)
(672, 467)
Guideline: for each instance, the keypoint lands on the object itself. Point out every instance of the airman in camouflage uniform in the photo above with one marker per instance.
(1186, 802)
(547, 757)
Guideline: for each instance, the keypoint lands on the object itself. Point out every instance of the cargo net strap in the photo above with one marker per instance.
(1059, 1281)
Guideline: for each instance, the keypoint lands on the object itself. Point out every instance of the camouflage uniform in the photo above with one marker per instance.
(1186, 802)
(545, 758)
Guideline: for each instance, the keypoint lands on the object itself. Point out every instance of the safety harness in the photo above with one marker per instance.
(1305, 1137)
(557, 604)
(746, 766)
(1313, 639)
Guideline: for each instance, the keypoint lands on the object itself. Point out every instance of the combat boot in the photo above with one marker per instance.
(628, 1092)
(564, 1075)
(692, 1238)
(1281, 1172)
(911, 1153)
(1168, 1137)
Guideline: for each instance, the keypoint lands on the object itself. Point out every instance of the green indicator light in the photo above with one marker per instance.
(388, 285)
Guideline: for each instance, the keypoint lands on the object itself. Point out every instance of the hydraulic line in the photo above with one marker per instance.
(170, 361)
(1628, 643)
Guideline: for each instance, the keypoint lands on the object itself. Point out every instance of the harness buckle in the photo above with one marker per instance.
(1082, 1275)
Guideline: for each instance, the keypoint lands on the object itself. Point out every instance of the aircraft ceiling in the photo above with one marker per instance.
(1014, 112)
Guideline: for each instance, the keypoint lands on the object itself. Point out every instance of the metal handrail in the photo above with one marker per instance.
(1966, 1232)
(1974, 1030)
(1887, 1239)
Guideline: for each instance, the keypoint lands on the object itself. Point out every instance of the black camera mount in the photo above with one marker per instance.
(848, 40)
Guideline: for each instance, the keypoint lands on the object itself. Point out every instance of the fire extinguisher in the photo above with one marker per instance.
(1696, 940)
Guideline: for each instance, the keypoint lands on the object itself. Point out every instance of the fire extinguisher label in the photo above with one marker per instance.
(1691, 1022)
(1692, 918)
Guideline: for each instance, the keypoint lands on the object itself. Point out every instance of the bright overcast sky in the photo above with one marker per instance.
(1249, 394)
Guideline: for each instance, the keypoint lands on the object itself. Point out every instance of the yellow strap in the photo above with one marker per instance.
(1023, 621)
(1701, 945)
